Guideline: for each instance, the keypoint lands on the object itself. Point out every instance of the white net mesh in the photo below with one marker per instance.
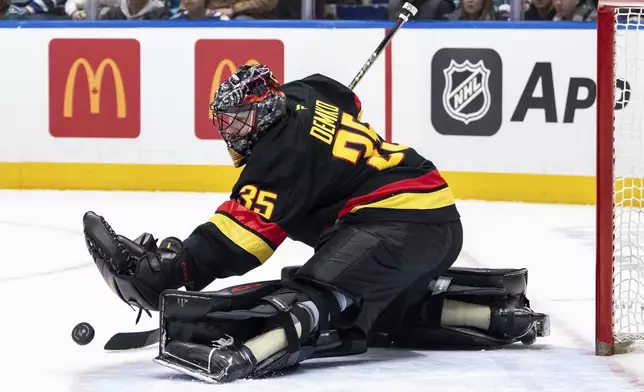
(628, 267)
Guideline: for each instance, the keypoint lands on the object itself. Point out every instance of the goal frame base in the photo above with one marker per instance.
(604, 349)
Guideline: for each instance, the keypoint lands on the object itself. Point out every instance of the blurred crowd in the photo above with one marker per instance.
(554, 10)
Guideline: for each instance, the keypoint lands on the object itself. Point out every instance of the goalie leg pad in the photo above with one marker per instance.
(502, 290)
(203, 334)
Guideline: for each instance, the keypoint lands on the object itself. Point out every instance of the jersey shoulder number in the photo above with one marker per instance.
(353, 140)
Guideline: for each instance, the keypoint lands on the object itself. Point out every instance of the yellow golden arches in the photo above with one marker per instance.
(94, 82)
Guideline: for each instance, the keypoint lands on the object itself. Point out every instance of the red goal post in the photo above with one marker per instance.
(620, 172)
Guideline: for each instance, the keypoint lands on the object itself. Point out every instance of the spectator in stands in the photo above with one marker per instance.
(430, 9)
(540, 10)
(576, 10)
(7, 11)
(475, 10)
(195, 10)
(289, 9)
(138, 10)
(76, 9)
(4, 7)
(12, 12)
(244, 9)
(38, 9)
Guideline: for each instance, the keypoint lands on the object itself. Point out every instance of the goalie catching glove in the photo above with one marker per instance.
(137, 271)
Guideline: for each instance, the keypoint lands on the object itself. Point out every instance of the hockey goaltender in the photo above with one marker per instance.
(383, 224)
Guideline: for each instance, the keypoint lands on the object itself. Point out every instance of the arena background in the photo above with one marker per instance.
(121, 107)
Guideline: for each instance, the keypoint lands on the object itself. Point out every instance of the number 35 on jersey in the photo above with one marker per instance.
(260, 201)
(354, 140)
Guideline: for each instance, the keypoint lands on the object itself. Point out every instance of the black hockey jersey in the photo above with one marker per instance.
(321, 164)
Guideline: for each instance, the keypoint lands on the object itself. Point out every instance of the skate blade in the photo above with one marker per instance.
(194, 373)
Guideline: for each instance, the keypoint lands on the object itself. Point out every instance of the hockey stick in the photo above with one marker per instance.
(132, 340)
(408, 10)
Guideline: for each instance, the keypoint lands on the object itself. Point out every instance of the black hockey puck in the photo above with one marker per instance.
(83, 333)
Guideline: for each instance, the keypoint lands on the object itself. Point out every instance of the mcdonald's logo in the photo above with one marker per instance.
(216, 60)
(94, 88)
(94, 82)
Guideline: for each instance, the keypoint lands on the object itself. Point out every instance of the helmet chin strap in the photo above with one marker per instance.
(239, 160)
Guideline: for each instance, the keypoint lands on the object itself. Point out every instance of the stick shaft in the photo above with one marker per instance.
(374, 56)
(408, 10)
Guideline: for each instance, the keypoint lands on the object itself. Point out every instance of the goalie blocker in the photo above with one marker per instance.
(205, 334)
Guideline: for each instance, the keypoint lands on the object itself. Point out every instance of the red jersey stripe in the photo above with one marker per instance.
(253, 221)
(427, 182)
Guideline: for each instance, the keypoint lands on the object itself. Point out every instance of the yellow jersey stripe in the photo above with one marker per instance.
(414, 201)
(244, 238)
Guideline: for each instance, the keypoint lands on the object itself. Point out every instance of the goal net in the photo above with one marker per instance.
(620, 174)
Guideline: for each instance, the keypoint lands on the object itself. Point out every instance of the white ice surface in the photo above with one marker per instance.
(48, 284)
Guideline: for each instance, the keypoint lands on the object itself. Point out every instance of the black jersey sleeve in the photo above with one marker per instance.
(267, 199)
(234, 241)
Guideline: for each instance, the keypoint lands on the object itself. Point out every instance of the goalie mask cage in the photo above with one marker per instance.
(620, 177)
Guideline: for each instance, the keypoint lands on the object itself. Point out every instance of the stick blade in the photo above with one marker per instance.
(132, 340)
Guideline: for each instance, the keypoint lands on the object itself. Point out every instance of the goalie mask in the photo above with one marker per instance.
(245, 107)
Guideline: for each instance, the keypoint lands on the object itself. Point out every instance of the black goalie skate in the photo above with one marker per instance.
(522, 324)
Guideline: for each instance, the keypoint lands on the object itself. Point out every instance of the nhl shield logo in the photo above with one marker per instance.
(466, 96)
